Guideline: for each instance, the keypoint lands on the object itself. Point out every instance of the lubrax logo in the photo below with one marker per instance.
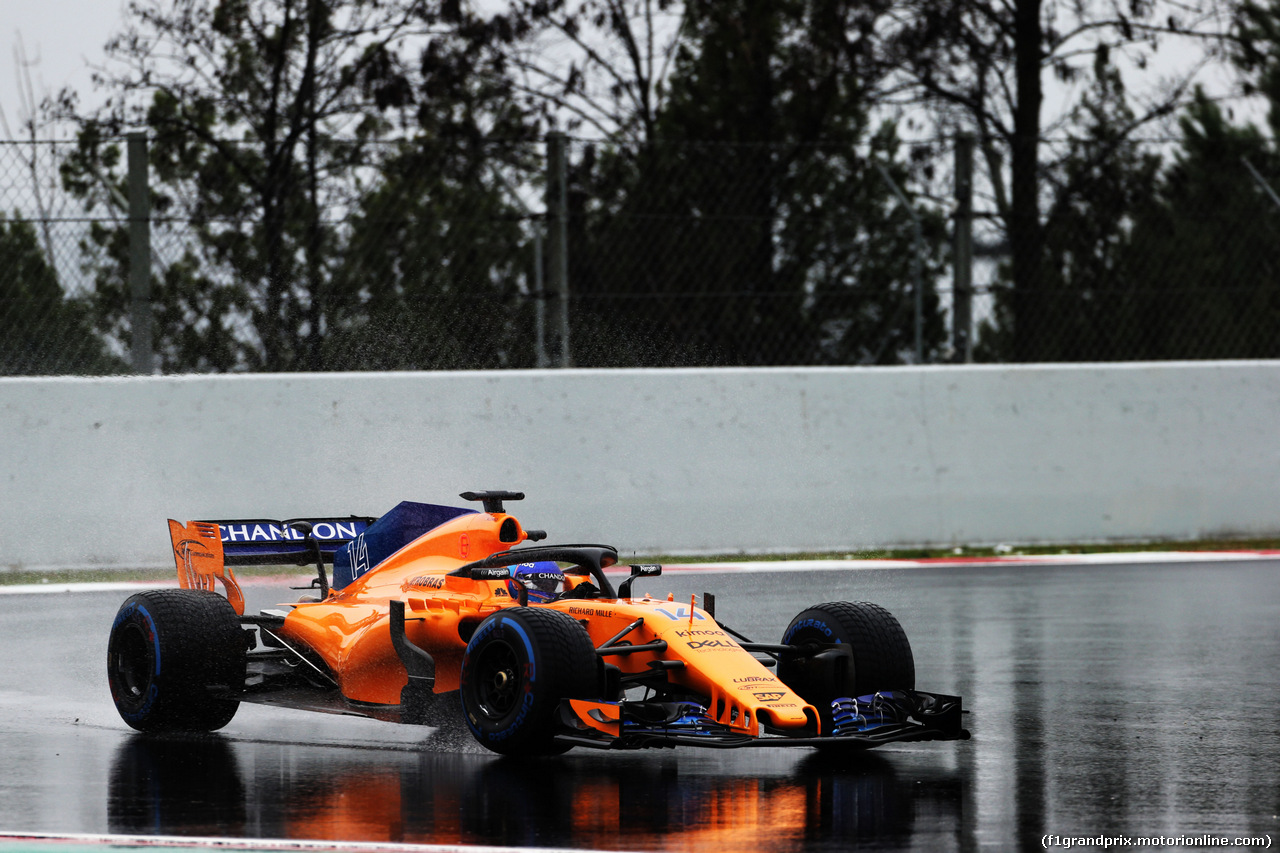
(751, 679)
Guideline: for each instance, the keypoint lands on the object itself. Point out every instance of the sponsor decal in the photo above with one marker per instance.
(808, 623)
(769, 697)
(464, 545)
(267, 532)
(755, 679)
(498, 574)
(551, 577)
(707, 633)
(695, 645)
(427, 582)
(587, 611)
(188, 548)
(681, 613)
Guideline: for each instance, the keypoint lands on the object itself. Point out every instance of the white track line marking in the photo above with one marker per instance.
(246, 844)
(1020, 560)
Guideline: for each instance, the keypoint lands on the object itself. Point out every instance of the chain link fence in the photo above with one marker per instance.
(454, 254)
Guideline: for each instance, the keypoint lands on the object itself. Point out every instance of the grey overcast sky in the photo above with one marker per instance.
(61, 38)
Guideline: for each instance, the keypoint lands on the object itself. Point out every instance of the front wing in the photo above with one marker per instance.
(891, 716)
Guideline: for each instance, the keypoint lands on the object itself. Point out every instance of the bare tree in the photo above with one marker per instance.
(984, 65)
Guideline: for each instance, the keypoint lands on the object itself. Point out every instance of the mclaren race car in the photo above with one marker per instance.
(433, 613)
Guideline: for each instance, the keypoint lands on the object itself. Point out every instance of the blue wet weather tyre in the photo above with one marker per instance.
(520, 664)
(174, 658)
(882, 658)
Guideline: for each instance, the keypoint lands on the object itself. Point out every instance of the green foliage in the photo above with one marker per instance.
(1147, 260)
(261, 143)
(1088, 295)
(41, 331)
(1205, 257)
(754, 226)
(434, 252)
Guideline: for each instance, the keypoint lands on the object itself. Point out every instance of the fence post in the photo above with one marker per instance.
(558, 234)
(140, 255)
(962, 273)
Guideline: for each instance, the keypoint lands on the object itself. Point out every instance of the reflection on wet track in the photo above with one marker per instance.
(627, 802)
(1127, 700)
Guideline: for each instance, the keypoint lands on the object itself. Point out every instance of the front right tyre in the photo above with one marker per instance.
(878, 647)
(520, 664)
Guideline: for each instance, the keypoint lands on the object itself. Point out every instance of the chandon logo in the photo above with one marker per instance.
(263, 532)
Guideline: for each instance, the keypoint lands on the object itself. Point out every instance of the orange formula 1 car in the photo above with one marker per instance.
(432, 613)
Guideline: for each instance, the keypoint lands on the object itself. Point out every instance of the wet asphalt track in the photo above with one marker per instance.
(1132, 700)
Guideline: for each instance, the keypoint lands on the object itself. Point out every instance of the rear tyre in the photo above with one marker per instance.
(519, 665)
(170, 653)
(882, 658)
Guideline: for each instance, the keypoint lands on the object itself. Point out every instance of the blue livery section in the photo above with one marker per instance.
(387, 535)
(250, 541)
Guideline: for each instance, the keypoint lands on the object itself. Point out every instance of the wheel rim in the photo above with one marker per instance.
(130, 663)
(498, 686)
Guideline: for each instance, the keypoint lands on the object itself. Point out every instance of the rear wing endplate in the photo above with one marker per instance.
(204, 551)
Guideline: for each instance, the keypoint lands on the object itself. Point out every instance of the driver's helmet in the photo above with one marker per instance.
(544, 580)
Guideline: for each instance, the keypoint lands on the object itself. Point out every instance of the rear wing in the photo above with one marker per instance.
(264, 541)
(204, 550)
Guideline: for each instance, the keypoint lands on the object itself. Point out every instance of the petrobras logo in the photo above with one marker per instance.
(248, 532)
(426, 582)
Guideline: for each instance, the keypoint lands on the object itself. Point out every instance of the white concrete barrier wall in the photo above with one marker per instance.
(672, 461)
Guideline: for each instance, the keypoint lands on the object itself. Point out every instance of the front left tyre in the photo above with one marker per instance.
(520, 664)
(174, 658)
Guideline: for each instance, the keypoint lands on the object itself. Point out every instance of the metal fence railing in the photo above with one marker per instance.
(677, 254)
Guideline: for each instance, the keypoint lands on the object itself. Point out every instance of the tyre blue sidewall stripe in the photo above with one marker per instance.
(528, 647)
(155, 635)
